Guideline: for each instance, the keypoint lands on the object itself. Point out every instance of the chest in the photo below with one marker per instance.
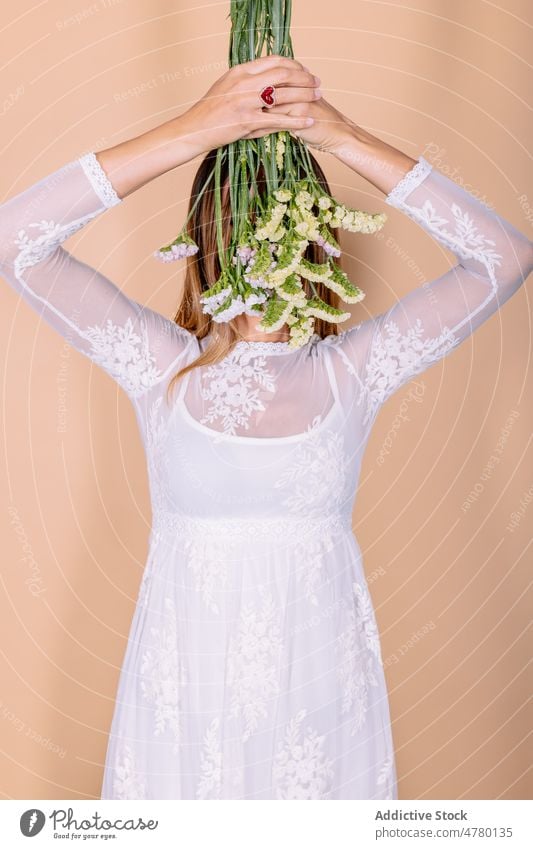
(264, 397)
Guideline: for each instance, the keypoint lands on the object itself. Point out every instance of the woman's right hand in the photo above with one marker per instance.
(232, 108)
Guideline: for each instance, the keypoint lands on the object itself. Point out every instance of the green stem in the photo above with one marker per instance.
(263, 156)
(262, 27)
(244, 195)
(251, 153)
(251, 29)
(272, 155)
(286, 34)
(218, 207)
(199, 197)
(231, 175)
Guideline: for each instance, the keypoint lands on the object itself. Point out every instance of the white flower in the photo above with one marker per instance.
(315, 276)
(302, 228)
(179, 249)
(211, 303)
(304, 200)
(268, 228)
(283, 195)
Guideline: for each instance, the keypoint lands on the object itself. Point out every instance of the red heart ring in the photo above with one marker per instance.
(268, 96)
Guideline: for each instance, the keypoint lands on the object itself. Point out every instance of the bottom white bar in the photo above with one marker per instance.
(267, 824)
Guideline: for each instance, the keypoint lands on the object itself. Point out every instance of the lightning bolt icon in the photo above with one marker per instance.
(33, 820)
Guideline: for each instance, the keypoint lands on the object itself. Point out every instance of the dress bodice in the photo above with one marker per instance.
(262, 434)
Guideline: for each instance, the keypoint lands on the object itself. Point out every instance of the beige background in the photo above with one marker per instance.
(446, 80)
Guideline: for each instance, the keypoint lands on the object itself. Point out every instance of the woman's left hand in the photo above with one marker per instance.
(330, 130)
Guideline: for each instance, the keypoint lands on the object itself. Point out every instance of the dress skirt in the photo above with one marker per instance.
(253, 668)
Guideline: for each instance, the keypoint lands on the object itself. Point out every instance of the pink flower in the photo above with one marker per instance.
(177, 251)
(330, 249)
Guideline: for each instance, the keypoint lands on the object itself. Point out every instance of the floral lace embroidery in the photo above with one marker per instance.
(212, 771)
(163, 675)
(397, 357)
(470, 241)
(385, 782)
(316, 477)
(252, 663)
(157, 461)
(317, 482)
(118, 349)
(210, 783)
(99, 179)
(367, 619)
(409, 181)
(301, 769)
(359, 657)
(32, 251)
(125, 354)
(466, 241)
(127, 783)
(207, 562)
(231, 389)
(310, 569)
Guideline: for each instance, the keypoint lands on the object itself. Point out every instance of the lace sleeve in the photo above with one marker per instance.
(135, 345)
(494, 259)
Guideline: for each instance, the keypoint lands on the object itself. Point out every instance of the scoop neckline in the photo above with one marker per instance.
(319, 423)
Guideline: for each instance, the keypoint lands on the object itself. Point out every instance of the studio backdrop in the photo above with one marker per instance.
(444, 510)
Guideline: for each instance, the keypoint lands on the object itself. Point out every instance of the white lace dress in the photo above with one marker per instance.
(253, 668)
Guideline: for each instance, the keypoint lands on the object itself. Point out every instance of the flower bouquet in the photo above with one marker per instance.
(264, 267)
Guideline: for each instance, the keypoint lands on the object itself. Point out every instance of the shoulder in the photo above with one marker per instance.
(167, 327)
(349, 350)
(347, 337)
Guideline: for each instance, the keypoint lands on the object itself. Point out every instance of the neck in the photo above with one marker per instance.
(246, 326)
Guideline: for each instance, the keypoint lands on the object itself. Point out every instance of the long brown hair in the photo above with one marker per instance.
(203, 269)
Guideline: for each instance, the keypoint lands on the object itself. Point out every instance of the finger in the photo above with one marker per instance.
(296, 109)
(265, 131)
(299, 81)
(260, 133)
(279, 77)
(287, 95)
(268, 131)
(269, 63)
(282, 122)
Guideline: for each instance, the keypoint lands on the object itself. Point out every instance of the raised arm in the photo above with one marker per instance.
(493, 261)
(137, 346)
(493, 258)
(132, 343)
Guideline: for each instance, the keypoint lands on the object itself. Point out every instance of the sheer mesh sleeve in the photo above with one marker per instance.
(134, 344)
(494, 259)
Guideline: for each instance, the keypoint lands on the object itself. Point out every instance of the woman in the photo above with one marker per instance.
(253, 667)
